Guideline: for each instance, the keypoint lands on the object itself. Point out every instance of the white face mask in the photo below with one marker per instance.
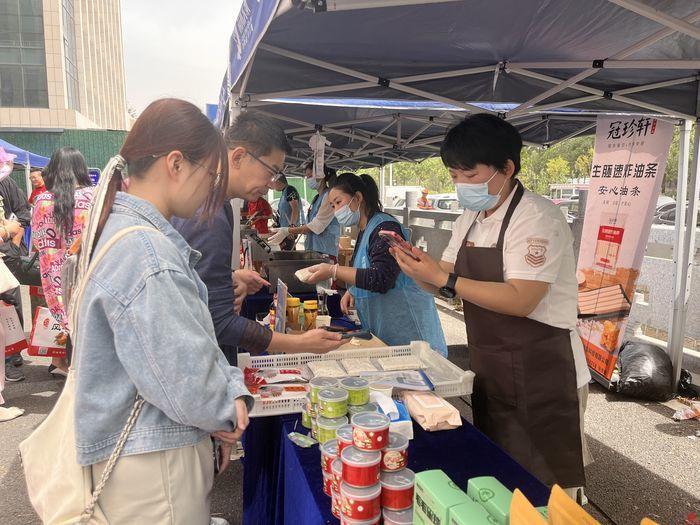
(313, 183)
(476, 197)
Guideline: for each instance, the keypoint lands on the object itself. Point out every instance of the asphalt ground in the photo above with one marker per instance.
(646, 464)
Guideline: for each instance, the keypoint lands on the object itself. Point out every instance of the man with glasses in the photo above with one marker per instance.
(256, 152)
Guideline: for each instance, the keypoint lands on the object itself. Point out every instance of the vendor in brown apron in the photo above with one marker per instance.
(520, 317)
(525, 387)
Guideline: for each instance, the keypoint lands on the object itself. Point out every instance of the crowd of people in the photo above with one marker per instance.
(158, 318)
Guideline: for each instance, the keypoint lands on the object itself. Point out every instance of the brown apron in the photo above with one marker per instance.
(525, 396)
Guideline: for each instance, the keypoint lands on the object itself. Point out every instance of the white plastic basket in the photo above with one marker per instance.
(448, 379)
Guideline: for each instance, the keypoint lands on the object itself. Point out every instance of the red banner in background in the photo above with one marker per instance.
(625, 182)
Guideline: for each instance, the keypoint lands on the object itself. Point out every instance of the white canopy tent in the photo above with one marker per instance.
(401, 71)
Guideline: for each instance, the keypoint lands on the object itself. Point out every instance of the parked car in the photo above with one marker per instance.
(669, 217)
(445, 202)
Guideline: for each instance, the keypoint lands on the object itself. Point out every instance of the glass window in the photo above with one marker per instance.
(11, 94)
(22, 54)
(69, 48)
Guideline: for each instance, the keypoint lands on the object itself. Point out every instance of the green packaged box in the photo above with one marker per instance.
(493, 496)
(470, 513)
(434, 495)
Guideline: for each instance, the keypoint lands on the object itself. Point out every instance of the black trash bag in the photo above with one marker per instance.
(685, 385)
(646, 372)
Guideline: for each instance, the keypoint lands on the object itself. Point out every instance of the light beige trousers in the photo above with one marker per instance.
(170, 487)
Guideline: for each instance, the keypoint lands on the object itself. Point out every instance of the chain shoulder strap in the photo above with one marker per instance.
(74, 306)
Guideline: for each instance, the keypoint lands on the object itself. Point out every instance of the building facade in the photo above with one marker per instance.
(61, 65)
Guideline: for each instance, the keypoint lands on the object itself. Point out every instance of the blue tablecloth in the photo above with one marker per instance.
(297, 496)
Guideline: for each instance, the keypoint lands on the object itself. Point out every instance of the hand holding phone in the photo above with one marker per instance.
(394, 240)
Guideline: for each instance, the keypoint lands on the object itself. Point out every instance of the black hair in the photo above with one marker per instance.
(349, 183)
(65, 172)
(482, 139)
(258, 133)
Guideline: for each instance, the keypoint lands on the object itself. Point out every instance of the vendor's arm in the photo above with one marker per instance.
(319, 223)
(532, 256)
(514, 297)
(294, 205)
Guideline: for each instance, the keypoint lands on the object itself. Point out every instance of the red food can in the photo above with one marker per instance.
(329, 452)
(360, 504)
(349, 521)
(398, 517)
(344, 437)
(327, 484)
(395, 455)
(360, 468)
(370, 430)
(337, 471)
(397, 489)
(335, 506)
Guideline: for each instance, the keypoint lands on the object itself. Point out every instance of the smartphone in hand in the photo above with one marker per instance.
(394, 240)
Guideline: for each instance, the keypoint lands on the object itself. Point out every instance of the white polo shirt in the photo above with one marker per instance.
(538, 246)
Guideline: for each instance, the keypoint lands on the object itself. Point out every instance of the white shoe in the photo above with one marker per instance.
(218, 521)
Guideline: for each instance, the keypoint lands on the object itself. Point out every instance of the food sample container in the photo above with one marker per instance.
(328, 426)
(358, 390)
(369, 407)
(332, 402)
(318, 383)
(370, 430)
(360, 468)
(337, 471)
(398, 517)
(395, 455)
(344, 436)
(397, 489)
(305, 419)
(335, 505)
(360, 503)
(327, 484)
(350, 521)
(314, 428)
(329, 452)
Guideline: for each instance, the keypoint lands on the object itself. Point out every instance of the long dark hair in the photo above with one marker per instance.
(166, 125)
(349, 183)
(65, 172)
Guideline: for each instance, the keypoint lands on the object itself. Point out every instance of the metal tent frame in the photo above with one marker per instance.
(658, 74)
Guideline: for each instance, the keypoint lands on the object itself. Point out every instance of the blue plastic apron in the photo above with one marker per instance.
(406, 312)
(284, 208)
(326, 241)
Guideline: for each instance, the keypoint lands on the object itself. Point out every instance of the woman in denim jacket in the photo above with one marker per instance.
(144, 328)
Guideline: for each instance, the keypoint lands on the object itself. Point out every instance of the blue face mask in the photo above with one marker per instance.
(313, 183)
(476, 197)
(346, 217)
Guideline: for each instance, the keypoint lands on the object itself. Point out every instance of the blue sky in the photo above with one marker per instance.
(176, 48)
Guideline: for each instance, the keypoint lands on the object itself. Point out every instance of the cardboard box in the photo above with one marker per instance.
(493, 496)
(435, 493)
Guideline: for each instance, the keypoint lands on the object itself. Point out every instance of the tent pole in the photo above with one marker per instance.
(675, 330)
(382, 186)
(371, 78)
(609, 64)
(659, 16)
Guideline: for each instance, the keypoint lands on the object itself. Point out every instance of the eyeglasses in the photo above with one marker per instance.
(275, 174)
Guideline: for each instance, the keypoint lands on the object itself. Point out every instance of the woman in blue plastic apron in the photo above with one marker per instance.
(390, 304)
(321, 229)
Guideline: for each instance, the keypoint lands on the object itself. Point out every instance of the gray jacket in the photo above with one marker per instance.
(144, 327)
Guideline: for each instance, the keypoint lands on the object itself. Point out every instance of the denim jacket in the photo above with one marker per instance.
(144, 327)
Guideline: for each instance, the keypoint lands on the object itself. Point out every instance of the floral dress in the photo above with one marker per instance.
(53, 248)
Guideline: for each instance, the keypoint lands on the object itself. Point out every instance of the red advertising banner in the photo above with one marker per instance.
(625, 181)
